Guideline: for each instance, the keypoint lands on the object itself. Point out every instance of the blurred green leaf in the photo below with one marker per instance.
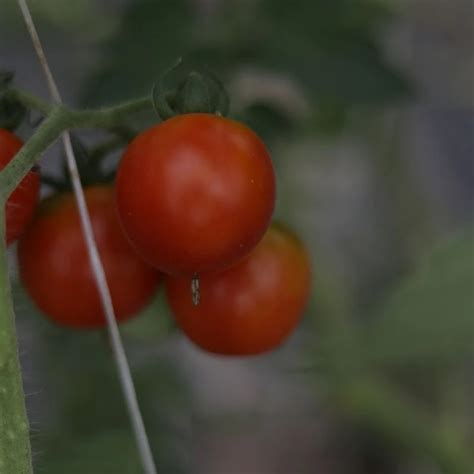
(149, 39)
(329, 49)
(111, 452)
(329, 118)
(80, 376)
(429, 318)
(393, 417)
(87, 19)
(266, 120)
(153, 324)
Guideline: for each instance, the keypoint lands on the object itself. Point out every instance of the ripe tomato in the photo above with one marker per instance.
(55, 269)
(251, 307)
(195, 193)
(22, 202)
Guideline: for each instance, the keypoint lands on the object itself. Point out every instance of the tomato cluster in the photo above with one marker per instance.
(193, 200)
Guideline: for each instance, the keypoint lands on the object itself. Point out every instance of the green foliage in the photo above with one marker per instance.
(330, 50)
(151, 36)
(380, 375)
(147, 327)
(394, 418)
(105, 453)
(85, 18)
(428, 320)
(267, 120)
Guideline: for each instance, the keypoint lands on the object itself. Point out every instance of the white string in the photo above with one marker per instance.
(118, 350)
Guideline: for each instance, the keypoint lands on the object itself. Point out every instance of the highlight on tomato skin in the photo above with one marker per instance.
(24, 199)
(252, 307)
(195, 193)
(54, 263)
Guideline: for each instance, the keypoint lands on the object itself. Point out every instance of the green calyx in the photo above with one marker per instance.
(183, 91)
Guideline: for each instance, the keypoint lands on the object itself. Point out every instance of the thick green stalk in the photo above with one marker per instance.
(60, 118)
(106, 117)
(24, 160)
(15, 451)
(109, 117)
(30, 101)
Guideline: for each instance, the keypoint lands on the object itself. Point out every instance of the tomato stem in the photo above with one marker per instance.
(57, 124)
(29, 100)
(46, 134)
(15, 450)
(58, 119)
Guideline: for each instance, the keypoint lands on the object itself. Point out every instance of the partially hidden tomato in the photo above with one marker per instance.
(195, 193)
(23, 201)
(55, 269)
(251, 307)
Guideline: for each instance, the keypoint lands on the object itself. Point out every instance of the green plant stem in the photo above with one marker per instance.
(15, 451)
(371, 401)
(378, 406)
(29, 100)
(58, 119)
(48, 132)
(108, 117)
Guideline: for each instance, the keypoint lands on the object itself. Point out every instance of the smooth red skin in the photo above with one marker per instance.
(252, 307)
(55, 268)
(22, 202)
(195, 193)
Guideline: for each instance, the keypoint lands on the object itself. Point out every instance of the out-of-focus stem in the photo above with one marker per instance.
(15, 451)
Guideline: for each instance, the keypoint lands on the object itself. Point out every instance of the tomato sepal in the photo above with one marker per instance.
(181, 90)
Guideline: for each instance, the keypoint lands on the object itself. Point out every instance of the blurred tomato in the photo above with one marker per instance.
(251, 307)
(22, 202)
(55, 268)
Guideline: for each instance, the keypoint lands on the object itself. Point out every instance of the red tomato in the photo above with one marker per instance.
(55, 269)
(195, 193)
(251, 307)
(23, 201)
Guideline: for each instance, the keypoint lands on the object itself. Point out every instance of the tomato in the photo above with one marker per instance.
(23, 201)
(251, 307)
(55, 269)
(195, 193)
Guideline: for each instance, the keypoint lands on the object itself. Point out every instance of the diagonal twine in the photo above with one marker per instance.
(118, 350)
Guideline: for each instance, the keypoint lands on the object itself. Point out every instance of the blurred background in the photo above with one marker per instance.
(367, 108)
